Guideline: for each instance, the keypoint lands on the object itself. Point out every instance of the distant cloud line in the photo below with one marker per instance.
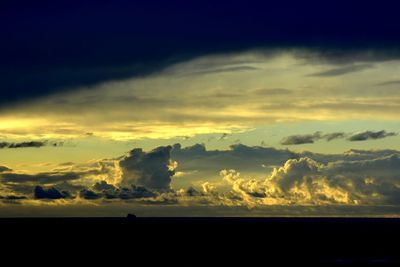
(311, 138)
(27, 144)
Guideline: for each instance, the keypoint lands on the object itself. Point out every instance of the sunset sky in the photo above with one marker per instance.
(202, 109)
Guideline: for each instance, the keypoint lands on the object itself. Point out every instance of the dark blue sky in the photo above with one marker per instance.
(48, 46)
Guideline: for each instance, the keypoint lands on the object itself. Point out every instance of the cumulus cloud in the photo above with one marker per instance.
(370, 135)
(306, 181)
(137, 175)
(152, 169)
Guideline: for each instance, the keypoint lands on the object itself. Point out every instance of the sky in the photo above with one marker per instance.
(199, 109)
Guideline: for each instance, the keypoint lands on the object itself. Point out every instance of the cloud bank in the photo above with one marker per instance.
(355, 178)
(306, 181)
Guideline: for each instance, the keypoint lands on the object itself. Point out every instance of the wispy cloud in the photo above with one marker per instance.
(392, 82)
(342, 70)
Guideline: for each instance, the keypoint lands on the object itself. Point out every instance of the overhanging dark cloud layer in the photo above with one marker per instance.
(51, 46)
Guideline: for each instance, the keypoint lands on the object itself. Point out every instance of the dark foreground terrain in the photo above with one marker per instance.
(330, 240)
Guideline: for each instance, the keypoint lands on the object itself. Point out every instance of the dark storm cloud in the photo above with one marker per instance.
(370, 135)
(35, 144)
(49, 193)
(150, 170)
(342, 70)
(65, 48)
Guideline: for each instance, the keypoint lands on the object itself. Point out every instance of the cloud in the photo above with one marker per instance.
(43, 178)
(46, 177)
(301, 139)
(103, 186)
(273, 91)
(138, 175)
(311, 138)
(223, 70)
(152, 170)
(49, 193)
(123, 56)
(357, 177)
(217, 105)
(223, 136)
(22, 144)
(36, 144)
(107, 191)
(342, 70)
(392, 82)
(370, 135)
(89, 194)
(333, 136)
(4, 169)
(306, 181)
(12, 197)
(196, 161)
